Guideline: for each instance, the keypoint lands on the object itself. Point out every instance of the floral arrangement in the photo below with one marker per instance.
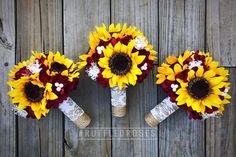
(118, 57)
(44, 82)
(193, 81)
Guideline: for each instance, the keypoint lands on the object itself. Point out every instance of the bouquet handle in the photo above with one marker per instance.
(118, 102)
(70, 109)
(75, 113)
(160, 112)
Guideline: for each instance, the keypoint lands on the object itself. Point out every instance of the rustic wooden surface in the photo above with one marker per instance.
(181, 27)
(64, 25)
(39, 27)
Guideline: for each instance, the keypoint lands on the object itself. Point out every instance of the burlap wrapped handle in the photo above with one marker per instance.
(70, 109)
(75, 113)
(160, 112)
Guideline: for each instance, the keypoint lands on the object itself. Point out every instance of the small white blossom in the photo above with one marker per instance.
(224, 93)
(174, 87)
(144, 67)
(34, 67)
(140, 42)
(58, 86)
(193, 64)
(99, 49)
(93, 71)
(21, 113)
(213, 114)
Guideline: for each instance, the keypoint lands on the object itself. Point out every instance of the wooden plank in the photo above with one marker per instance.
(221, 34)
(221, 41)
(142, 97)
(7, 60)
(182, 25)
(81, 17)
(220, 138)
(39, 27)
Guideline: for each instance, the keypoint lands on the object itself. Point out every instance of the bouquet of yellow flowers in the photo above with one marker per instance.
(44, 82)
(118, 57)
(193, 81)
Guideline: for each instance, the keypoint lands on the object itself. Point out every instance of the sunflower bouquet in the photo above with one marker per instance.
(193, 81)
(44, 82)
(118, 57)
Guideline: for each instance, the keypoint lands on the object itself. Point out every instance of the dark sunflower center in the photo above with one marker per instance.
(120, 64)
(33, 92)
(199, 88)
(57, 67)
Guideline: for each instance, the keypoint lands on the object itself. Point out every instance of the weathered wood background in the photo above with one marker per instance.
(170, 25)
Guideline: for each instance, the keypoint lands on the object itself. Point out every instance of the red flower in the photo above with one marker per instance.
(22, 72)
(63, 92)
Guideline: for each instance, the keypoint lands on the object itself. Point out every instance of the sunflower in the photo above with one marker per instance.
(19, 70)
(196, 82)
(105, 37)
(59, 64)
(28, 67)
(37, 56)
(202, 89)
(29, 91)
(121, 65)
(115, 33)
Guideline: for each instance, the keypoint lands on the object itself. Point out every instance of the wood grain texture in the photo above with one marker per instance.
(221, 34)
(170, 25)
(7, 60)
(81, 17)
(141, 98)
(220, 133)
(39, 28)
(182, 25)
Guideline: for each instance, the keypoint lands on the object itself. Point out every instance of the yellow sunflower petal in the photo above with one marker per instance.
(132, 79)
(138, 59)
(107, 73)
(191, 75)
(207, 103)
(182, 91)
(177, 68)
(130, 46)
(199, 72)
(108, 52)
(117, 47)
(215, 80)
(136, 70)
(215, 100)
(120, 85)
(209, 74)
(189, 101)
(37, 115)
(171, 77)
(103, 62)
(171, 59)
(84, 57)
(181, 102)
(161, 78)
